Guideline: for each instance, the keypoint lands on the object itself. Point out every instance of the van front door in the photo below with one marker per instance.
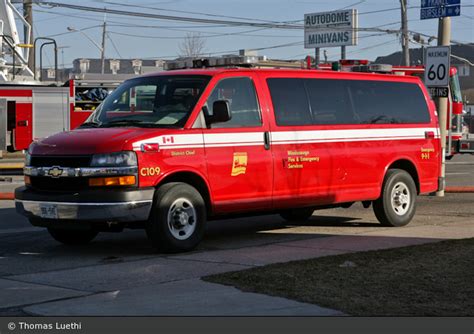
(239, 164)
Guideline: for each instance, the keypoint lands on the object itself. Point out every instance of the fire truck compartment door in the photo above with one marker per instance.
(50, 111)
(3, 124)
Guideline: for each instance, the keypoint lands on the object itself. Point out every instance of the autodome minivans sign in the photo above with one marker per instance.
(327, 29)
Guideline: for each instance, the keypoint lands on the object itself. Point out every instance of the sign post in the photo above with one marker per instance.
(437, 80)
(442, 10)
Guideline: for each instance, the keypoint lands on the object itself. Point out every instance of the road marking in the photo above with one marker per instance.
(456, 173)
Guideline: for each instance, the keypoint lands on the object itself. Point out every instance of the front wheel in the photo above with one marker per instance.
(72, 237)
(397, 203)
(178, 218)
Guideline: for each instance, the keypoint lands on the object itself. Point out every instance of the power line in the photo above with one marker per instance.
(169, 17)
(187, 12)
(73, 32)
(113, 44)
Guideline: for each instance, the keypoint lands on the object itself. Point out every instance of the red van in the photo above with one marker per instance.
(166, 152)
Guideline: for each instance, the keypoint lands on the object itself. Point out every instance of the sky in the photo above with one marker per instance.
(132, 37)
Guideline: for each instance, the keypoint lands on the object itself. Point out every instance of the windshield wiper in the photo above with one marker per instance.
(89, 125)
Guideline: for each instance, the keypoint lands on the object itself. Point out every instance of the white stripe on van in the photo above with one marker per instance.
(290, 137)
(235, 139)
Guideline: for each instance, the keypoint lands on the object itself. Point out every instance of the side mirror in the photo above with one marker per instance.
(221, 112)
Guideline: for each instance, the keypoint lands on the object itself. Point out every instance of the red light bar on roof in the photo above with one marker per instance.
(348, 62)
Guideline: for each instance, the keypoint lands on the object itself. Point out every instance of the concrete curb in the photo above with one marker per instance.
(452, 190)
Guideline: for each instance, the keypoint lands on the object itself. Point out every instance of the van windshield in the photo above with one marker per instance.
(162, 101)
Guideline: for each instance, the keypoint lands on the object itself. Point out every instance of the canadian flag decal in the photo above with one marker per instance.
(168, 140)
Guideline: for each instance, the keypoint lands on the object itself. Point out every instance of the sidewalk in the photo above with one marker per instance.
(170, 285)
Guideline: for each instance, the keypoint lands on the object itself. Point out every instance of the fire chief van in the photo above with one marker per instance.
(166, 152)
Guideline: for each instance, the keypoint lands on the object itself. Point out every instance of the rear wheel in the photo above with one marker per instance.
(397, 204)
(178, 218)
(297, 214)
(72, 237)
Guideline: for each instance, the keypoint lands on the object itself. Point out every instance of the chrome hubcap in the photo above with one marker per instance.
(182, 219)
(400, 198)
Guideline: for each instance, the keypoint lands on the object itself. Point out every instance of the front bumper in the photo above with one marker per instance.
(98, 205)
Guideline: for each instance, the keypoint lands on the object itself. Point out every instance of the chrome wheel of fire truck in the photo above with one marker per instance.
(297, 214)
(178, 219)
(72, 237)
(397, 204)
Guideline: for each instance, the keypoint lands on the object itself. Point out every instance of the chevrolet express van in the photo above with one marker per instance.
(168, 151)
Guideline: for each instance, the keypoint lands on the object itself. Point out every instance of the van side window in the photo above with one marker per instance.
(240, 92)
(379, 102)
(330, 102)
(290, 102)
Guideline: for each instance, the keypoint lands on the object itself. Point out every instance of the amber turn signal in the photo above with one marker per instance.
(112, 181)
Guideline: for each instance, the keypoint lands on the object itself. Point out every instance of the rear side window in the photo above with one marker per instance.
(388, 102)
(329, 101)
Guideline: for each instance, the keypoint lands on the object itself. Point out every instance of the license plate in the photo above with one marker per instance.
(49, 211)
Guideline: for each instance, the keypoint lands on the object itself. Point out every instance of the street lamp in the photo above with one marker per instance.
(101, 48)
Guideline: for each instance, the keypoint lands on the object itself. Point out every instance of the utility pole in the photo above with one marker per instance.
(343, 52)
(405, 40)
(102, 51)
(28, 15)
(444, 38)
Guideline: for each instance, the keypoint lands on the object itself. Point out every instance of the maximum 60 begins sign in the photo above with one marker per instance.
(437, 66)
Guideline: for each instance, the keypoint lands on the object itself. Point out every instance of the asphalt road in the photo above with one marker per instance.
(460, 171)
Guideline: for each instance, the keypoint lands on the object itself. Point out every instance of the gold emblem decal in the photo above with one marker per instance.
(239, 164)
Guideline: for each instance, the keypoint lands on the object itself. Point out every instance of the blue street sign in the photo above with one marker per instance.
(437, 12)
(439, 3)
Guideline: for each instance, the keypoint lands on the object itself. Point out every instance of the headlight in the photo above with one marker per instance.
(118, 159)
(27, 159)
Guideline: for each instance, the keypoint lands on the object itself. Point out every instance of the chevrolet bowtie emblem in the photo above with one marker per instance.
(55, 171)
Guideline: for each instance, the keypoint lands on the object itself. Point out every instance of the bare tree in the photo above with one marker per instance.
(193, 45)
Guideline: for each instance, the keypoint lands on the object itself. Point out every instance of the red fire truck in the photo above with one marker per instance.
(168, 151)
(33, 111)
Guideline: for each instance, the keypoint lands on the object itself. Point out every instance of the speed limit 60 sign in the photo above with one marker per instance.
(437, 66)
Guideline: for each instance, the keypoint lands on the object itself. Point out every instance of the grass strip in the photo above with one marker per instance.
(435, 279)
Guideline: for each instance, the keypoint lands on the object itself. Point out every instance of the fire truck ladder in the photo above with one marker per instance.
(13, 52)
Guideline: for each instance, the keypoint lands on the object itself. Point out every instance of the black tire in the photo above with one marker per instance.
(72, 237)
(397, 203)
(178, 218)
(297, 214)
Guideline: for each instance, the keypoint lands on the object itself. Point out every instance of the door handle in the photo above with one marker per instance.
(266, 140)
